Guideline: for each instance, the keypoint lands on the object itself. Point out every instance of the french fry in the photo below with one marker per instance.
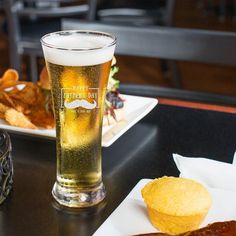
(8, 99)
(25, 104)
(3, 108)
(42, 119)
(16, 118)
(9, 79)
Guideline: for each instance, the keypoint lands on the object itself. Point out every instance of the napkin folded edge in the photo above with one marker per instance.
(176, 158)
(204, 178)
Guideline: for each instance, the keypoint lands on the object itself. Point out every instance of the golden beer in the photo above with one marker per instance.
(78, 66)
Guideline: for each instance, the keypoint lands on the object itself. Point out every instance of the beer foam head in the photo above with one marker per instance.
(78, 48)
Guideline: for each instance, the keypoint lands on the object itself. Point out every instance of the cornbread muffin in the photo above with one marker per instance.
(176, 205)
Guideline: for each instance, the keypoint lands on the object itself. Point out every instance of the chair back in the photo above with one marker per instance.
(207, 46)
(160, 14)
(24, 38)
(43, 8)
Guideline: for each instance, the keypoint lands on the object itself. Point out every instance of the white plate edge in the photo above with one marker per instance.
(133, 122)
(50, 133)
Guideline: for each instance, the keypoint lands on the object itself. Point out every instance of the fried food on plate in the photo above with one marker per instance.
(32, 102)
(16, 118)
(42, 119)
(3, 108)
(9, 78)
(25, 104)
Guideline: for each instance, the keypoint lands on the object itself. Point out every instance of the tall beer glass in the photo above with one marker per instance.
(78, 63)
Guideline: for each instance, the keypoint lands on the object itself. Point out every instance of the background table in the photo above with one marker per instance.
(145, 151)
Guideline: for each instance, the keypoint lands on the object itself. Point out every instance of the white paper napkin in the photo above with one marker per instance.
(213, 174)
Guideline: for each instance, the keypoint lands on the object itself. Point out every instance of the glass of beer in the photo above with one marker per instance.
(78, 64)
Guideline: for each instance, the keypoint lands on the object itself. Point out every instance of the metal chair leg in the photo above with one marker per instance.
(33, 68)
(15, 58)
(234, 10)
(176, 73)
(222, 10)
(170, 16)
(92, 10)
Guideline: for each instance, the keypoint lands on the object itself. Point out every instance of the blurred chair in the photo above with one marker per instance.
(164, 14)
(29, 20)
(221, 8)
(212, 47)
(1, 16)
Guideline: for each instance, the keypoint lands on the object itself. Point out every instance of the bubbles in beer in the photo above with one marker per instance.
(78, 64)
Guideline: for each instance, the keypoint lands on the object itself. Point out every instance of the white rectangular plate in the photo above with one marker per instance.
(135, 109)
(130, 217)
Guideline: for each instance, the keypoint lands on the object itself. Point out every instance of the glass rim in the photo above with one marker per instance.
(86, 32)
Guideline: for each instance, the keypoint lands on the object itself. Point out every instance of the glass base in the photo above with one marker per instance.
(72, 197)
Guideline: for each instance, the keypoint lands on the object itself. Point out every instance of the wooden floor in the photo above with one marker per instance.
(195, 76)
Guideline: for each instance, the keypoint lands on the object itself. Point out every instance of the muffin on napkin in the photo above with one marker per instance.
(176, 205)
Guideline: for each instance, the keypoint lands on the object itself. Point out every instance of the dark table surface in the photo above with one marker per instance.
(145, 151)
